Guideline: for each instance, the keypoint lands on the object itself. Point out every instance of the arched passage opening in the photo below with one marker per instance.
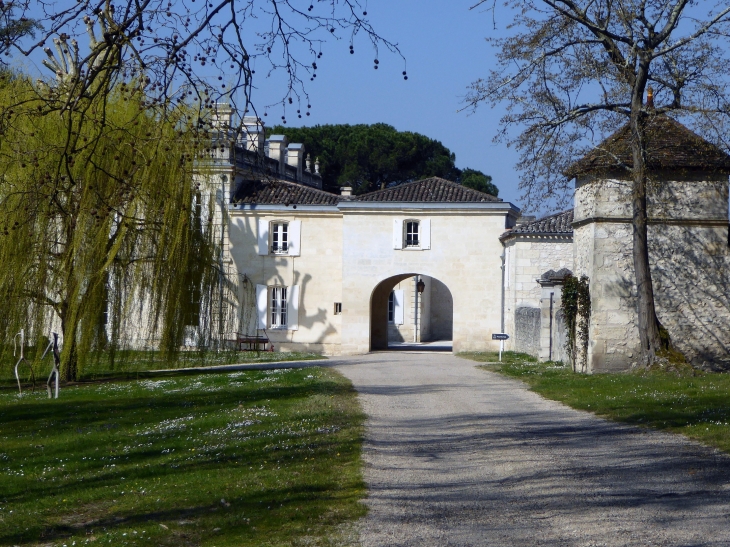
(410, 309)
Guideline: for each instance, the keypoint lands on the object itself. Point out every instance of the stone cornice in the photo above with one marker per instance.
(535, 235)
(715, 222)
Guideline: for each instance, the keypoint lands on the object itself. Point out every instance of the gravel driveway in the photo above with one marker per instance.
(459, 456)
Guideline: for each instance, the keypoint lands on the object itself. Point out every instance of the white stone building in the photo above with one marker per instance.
(432, 260)
(340, 274)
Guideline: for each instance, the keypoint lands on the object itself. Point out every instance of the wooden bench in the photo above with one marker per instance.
(245, 342)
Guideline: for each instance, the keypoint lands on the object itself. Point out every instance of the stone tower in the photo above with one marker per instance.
(688, 245)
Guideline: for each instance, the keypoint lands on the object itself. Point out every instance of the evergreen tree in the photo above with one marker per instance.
(369, 156)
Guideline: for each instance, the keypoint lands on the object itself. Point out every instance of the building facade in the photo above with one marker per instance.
(432, 260)
(340, 274)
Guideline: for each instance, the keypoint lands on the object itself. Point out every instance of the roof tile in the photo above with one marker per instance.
(434, 189)
(557, 224)
(428, 190)
(670, 145)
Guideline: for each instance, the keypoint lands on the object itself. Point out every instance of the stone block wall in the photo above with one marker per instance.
(689, 260)
(526, 259)
(442, 311)
(527, 330)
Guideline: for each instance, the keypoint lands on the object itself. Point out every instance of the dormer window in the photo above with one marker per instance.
(280, 238)
(412, 233)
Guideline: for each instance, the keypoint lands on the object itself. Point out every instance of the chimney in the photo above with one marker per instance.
(277, 148)
(346, 191)
(221, 118)
(295, 158)
(649, 98)
(253, 134)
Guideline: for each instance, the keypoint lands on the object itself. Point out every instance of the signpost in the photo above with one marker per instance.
(501, 337)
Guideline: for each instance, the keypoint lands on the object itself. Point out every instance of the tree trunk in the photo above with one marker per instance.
(648, 323)
(69, 353)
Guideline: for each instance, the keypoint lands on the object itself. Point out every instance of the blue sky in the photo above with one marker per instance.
(445, 50)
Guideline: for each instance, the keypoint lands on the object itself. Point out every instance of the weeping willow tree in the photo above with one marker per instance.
(104, 229)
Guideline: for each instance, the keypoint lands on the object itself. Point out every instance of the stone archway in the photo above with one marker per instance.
(424, 317)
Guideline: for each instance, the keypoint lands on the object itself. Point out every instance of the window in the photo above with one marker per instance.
(280, 238)
(338, 308)
(391, 307)
(412, 233)
(278, 307)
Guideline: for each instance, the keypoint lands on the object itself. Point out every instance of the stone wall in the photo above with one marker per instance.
(527, 330)
(688, 246)
(471, 273)
(442, 311)
(317, 271)
(560, 337)
(526, 259)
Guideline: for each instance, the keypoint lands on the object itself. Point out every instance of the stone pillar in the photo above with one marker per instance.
(277, 149)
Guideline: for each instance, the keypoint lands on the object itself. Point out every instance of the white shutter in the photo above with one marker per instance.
(398, 307)
(397, 233)
(262, 305)
(263, 237)
(425, 234)
(292, 308)
(295, 237)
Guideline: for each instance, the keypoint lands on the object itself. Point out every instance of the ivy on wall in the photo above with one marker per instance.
(576, 305)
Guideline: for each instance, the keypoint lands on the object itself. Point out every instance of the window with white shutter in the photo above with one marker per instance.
(295, 237)
(280, 238)
(412, 234)
(263, 237)
(262, 305)
(395, 307)
(397, 233)
(277, 307)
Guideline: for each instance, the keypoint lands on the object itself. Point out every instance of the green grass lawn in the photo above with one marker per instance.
(254, 458)
(692, 403)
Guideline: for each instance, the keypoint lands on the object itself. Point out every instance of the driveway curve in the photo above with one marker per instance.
(457, 456)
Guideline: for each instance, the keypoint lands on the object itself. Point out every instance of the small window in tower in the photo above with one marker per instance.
(338, 308)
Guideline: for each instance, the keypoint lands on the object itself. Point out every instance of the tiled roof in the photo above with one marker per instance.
(558, 224)
(670, 145)
(433, 189)
(279, 192)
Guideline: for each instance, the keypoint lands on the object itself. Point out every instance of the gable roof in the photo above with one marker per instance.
(670, 145)
(279, 192)
(557, 224)
(434, 189)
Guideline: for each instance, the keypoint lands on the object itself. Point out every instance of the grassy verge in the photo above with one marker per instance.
(255, 458)
(689, 402)
(130, 363)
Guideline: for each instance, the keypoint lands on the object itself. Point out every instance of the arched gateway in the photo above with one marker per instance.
(410, 308)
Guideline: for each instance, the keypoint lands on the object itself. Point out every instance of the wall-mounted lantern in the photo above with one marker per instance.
(420, 286)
